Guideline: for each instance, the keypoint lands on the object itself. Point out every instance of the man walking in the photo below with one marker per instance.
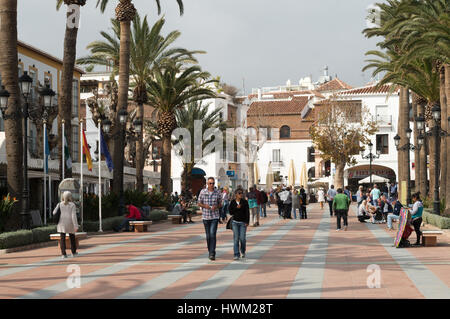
(330, 197)
(375, 193)
(341, 204)
(265, 201)
(210, 200)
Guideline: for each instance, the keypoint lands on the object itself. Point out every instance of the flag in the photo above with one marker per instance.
(87, 152)
(67, 154)
(47, 151)
(104, 151)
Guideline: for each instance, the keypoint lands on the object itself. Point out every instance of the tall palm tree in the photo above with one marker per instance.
(172, 86)
(186, 118)
(65, 93)
(125, 13)
(9, 78)
(147, 47)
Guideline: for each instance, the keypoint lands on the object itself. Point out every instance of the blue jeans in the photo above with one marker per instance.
(390, 218)
(239, 230)
(224, 210)
(211, 231)
(294, 210)
(262, 210)
(126, 224)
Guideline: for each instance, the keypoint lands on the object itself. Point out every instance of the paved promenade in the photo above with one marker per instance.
(285, 259)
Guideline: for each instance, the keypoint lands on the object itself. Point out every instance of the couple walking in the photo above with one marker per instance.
(210, 200)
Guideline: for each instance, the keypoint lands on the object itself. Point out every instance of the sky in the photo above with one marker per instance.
(249, 43)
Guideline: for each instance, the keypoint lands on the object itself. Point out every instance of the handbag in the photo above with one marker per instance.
(229, 222)
(57, 215)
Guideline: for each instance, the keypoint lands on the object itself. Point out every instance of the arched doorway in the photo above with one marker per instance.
(355, 174)
(198, 180)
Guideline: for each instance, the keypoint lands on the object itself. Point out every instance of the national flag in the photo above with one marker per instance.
(47, 151)
(104, 151)
(67, 153)
(87, 152)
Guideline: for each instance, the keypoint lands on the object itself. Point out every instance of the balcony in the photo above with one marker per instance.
(383, 120)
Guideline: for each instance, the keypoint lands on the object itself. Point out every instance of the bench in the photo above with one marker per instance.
(176, 219)
(140, 225)
(429, 237)
(78, 236)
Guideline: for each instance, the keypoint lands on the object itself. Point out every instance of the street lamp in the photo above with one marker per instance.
(371, 157)
(407, 148)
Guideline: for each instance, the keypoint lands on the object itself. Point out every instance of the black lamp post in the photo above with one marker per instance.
(371, 156)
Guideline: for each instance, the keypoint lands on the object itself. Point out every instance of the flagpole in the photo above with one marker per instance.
(62, 150)
(50, 194)
(81, 172)
(100, 176)
(45, 173)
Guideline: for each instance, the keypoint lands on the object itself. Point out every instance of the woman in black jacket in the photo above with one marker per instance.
(241, 217)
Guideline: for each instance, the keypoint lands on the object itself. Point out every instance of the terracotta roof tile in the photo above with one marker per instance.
(334, 85)
(285, 95)
(269, 107)
(369, 90)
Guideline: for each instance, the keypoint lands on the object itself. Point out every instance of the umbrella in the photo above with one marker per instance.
(375, 179)
(303, 175)
(291, 174)
(255, 173)
(269, 176)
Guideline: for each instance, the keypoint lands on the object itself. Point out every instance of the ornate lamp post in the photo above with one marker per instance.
(371, 156)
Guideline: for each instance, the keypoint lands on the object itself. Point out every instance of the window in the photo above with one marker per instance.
(75, 96)
(276, 156)
(285, 132)
(276, 177)
(383, 143)
(75, 143)
(311, 157)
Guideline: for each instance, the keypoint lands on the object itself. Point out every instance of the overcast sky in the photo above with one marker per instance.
(265, 42)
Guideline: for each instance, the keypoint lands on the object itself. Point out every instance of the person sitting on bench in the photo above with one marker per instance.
(133, 215)
(396, 212)
(363, 213)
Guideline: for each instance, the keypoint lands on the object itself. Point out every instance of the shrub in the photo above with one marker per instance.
(439, 221)
(156, 215)
(16, 239)
(6, 205)
(157, 199)
(136, 198)
(107, 224)
(110, 204)
(42, 234)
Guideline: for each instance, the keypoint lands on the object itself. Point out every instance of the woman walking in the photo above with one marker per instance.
(67, 223)
(296, 204)
(226, 203)
(321, 197)
(239, 209)
(253, 205)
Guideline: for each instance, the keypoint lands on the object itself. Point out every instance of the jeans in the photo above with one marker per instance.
(224, 210)
(125, 224)
(331, 207)
(390, 218)
(294, 210)
(341, 214)
(280, 209)
(73, 244)
(263, 211)
(254, 216)
(239, 232)
(211, 231)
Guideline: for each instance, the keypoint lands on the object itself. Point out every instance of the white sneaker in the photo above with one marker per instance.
(63, 256)
(338, 229)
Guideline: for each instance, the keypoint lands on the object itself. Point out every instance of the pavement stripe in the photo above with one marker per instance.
(159, 283)
(429, 285)
(62, 287)
(47, 262)
(309, 279)
(218, 283)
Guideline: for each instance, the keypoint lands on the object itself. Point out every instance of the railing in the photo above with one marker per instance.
(383, 119)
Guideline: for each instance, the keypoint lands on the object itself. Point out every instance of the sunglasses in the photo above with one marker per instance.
(211, 183)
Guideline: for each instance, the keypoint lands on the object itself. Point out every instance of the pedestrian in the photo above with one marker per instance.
(375, 194)
(253, 205)
(296, 204)
(279, 201)
(132, 215)
(210, 200)
(416, 216)
(67, 224)
(225, 205)
(340, 205)
(359, 195)
(264, 204)
(259, 200)
(330, 197)
(287, 203)
(321, 197)
(393, 190)
(239, 210)
(303, 203)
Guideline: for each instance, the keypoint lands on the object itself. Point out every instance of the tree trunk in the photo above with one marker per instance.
(339, 176)
(124, 77)
(140, 152)
(403, 125)
(417, 166)
(433, 149)
(443, 147)
(65, 94)
(186, 181)
(166, 160)
(447, 93)
(9, 72)
(423, 160)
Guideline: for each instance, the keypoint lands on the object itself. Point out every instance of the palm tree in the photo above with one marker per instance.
(147, 47)
(172, 86)
(125, 13)
(9, 78)
(65, 93)
(186, 118)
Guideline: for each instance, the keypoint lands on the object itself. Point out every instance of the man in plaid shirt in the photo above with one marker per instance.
(210, 200)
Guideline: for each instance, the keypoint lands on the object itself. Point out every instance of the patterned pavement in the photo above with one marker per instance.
(285, 259)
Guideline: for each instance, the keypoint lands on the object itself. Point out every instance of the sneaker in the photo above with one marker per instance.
(236, 258)
(345, 228)
(338, 229)
(63, 256)
(191, 222)
(74, 255)
(242, 255)
(212, 258)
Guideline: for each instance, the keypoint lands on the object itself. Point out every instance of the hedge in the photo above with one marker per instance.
(156, 215)
(107, 224)
(42, 234)
(436, 220)
(16, 239)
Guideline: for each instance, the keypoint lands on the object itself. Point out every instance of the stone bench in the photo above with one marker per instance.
(140, 225)
(176, 219)
(78, 236)
(429, 237)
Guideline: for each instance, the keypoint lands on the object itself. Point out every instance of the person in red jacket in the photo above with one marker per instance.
(133, 214)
